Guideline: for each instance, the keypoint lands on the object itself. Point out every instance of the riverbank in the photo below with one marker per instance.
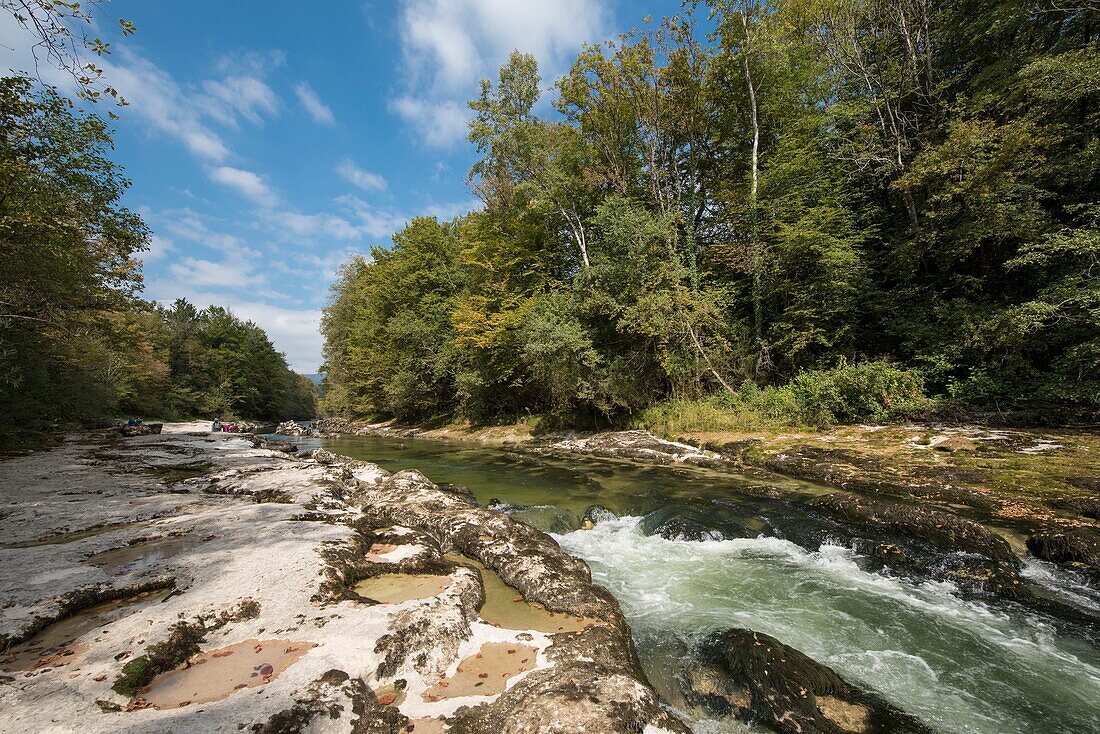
(211, 582)
(1039, 490)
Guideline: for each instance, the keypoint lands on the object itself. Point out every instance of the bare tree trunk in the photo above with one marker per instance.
(757, 253)
(577, 227)
(706, 357)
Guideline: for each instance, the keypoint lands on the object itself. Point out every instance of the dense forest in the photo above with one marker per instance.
(817, 210)
(77, 343)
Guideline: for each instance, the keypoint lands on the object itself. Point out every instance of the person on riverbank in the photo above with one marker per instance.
(216, 426)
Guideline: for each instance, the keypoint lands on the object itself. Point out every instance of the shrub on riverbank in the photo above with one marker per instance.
(868, 392)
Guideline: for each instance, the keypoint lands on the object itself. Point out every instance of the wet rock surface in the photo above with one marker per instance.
(247, 617)
(531, 563)
(757, 679)
(1074, 548)
(860, 472)
(924, 541)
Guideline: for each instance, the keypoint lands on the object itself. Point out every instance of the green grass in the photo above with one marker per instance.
(677, 417)
(869, 392)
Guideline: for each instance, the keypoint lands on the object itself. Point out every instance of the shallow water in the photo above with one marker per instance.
(959, 665)
(217, 674)
(59, 643)
(397, 588)
(505, 607)
(130, 558)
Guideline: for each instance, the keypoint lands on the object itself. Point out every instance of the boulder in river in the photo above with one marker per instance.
(682, 522)
(1075, 548)
(641, 446)
(757, 679)
(595, 514)
(291, 428)
(917, 540)
(586, 680)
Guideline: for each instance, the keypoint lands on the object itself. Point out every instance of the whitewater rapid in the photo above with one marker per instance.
(960, 665)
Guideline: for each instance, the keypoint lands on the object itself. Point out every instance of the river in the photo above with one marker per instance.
(959, 665)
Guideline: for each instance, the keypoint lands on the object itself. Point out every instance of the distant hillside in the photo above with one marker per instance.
(317, 378)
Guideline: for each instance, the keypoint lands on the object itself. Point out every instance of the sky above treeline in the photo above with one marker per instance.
(269, 142)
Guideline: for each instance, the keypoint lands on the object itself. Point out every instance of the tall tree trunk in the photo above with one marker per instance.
(757, 251)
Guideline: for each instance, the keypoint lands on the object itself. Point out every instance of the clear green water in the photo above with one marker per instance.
(961, 666)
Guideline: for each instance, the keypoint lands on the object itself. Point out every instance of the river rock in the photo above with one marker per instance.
(757, 679)
(291, 428)
(922, 541)
(280, 578)
(1075, 548)
(595, 681)
(853, 470)
(681, 522)
(640, 446)
(595, 514)
(1083, 506)
(141, 429)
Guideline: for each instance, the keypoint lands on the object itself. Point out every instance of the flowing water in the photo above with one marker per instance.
(959, 665)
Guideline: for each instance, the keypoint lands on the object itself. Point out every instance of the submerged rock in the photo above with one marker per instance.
(757, 679)
(680, 522)
(547, 518)
(1076, 548)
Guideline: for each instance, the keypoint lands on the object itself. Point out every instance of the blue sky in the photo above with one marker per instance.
(269, 142)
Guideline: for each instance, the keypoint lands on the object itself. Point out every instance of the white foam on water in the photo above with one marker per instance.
(1067, 586)
(960, 665)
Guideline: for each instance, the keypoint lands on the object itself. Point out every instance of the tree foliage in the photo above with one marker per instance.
(76, 341)
(61, 39)
(815, 186)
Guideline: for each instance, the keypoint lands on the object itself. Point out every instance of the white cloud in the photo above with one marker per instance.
(315, 226)
(233, 272)
(357, 222)
(355, 175)
(252, 63)
(317, 109)
(296, 333)
(447, 212)
(247, 183)
(156, 97)
(188, 226)
(448, 45)
(440, 123)
(246, 96)
(184, 112)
